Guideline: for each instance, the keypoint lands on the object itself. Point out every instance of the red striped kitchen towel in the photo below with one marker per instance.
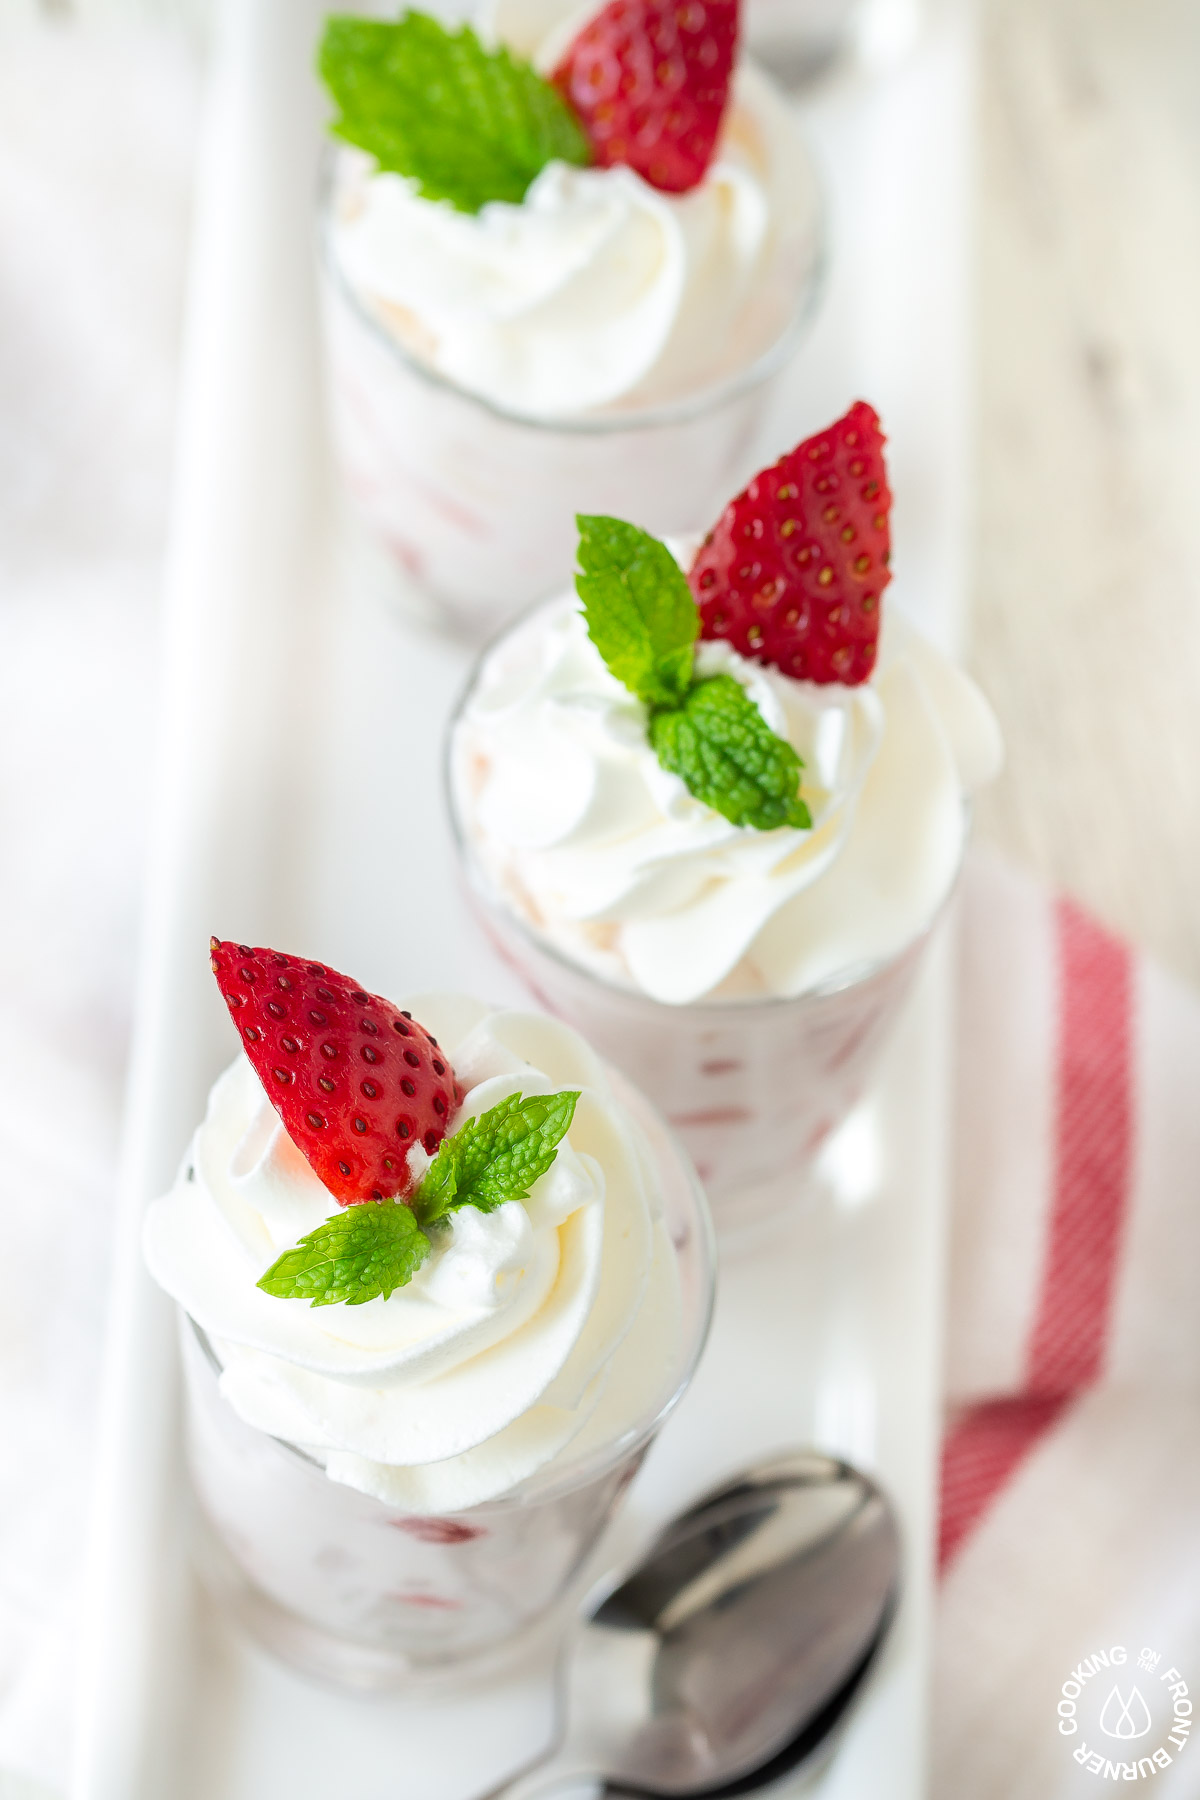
(1070, 1531)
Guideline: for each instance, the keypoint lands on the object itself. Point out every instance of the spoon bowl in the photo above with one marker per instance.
(726, 1660)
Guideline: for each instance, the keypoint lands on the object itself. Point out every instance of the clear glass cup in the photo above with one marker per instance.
(754, 1087)
(477, 504)
(365, 1596)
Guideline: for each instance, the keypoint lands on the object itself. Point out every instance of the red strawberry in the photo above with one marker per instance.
(795, 569)
(650, 81)
(356, 1081)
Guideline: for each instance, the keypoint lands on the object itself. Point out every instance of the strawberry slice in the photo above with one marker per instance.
(794, 571)
(356, 1081)
(650, 82)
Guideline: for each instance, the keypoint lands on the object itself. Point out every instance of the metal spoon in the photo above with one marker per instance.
(723, 1663)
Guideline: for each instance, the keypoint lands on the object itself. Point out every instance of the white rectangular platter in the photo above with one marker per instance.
(298, 803)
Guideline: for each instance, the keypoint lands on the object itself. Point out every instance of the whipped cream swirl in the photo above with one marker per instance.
(575, 826)
(548, 1323)
(598, 292)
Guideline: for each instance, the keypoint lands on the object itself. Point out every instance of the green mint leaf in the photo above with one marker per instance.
(462, 1156)
(721, 746)
(496, 1157)
(377, 1247)
(364, 1251)
(469, 125)
(639, 608)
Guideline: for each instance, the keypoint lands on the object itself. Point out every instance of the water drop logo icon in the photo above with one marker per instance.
(1125, 1718)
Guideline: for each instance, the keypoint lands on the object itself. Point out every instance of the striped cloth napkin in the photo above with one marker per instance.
(1070, 1526)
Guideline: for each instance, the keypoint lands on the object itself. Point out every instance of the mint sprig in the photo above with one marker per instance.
(373, 1248)
(365, 1250)
(639, 608)
(644, 621)
(467, 124)
(498, 1156)
(722, 748)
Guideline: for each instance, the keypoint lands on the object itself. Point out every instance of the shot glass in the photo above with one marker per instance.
(365, 1596)
(753, 1087)
(476, 504)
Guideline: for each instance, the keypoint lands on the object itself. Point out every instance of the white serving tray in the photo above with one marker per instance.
(298, 803)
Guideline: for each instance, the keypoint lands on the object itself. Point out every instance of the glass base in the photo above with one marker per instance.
(350, 1667)
(372, 568)
(741, 1215)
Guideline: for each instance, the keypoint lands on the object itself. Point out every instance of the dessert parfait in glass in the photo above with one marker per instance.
(437, 1294)
(562, 259)
(712, 816)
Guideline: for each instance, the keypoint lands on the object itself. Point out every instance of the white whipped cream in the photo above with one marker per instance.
(575, 825)
(541, 1325)
(597, 292)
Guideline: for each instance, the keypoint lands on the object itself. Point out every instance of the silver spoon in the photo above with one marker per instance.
(724, 1662)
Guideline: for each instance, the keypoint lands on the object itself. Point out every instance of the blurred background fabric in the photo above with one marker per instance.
(96, 135)
(1086, 604)
(1086, 608)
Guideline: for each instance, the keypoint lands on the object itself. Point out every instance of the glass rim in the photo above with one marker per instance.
(643, 1429)
(657, 416)
(852, 975)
